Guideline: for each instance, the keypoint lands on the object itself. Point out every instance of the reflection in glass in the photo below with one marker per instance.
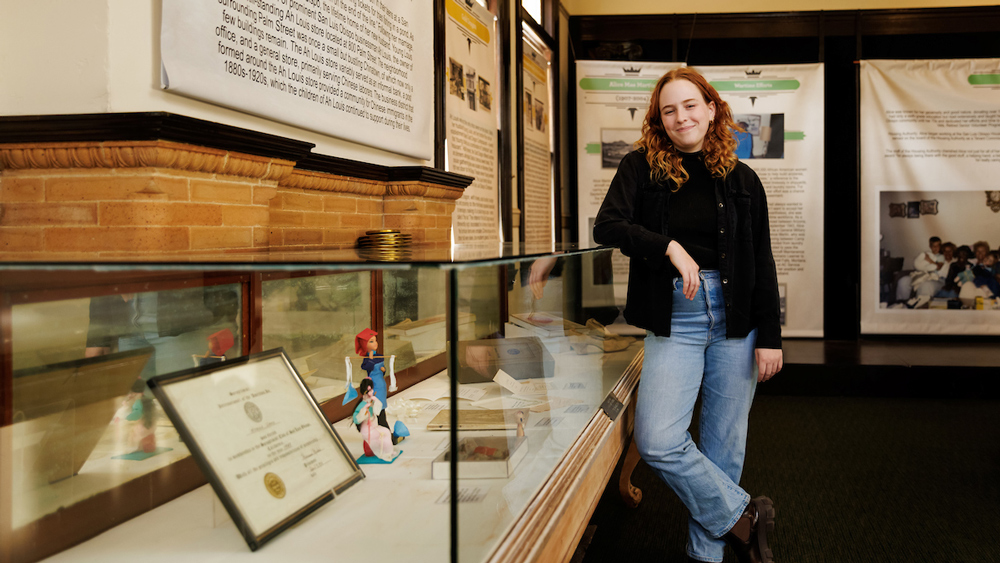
(315, 319)
(534, 389)
(84, 419)
(414, 311)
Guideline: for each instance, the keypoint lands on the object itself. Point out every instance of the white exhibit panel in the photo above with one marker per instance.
(780, 107)
(471, 119)
(538, 209)
(612, 98)
(930, 160)
(360, 70)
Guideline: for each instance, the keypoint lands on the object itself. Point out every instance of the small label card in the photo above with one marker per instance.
(465, 494)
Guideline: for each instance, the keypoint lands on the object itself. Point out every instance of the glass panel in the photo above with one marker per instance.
(549, 323)
(528, 395)
(315, 319)
(414, 306)
(84, 419)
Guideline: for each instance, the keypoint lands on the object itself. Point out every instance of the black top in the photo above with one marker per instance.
(693, 214)
(634, 218)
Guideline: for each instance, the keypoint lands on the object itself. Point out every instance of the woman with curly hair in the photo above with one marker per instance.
(693, 220)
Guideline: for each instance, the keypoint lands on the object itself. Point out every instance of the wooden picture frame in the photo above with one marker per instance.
(260, 438)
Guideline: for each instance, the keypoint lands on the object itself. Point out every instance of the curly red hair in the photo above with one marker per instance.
(719, 148)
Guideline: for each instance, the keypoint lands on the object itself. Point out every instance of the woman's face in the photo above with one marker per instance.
(685, 114)
(980, 252)
(373, 344)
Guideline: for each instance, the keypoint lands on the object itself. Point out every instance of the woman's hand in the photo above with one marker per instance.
(538, 275)
(769, 362)
(687, 267)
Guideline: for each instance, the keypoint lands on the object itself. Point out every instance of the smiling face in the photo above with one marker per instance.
(981, 251)
(685, 114)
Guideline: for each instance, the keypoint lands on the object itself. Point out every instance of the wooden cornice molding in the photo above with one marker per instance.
(324, 182)
(394, 175)
(429, 176)
(148, 126)
(141, 154)
(423, 189)
(162, 139)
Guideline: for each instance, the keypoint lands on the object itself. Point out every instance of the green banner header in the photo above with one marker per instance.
(755, 85)
(795, 135)
(593, 148)
(619, 84)
(984, 79)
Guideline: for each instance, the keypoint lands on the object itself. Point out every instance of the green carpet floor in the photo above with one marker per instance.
(852, 479)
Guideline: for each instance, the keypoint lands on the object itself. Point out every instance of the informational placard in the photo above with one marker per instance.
(612, 98)
(260, 438)
(930, 159)
(539, 232)
(780, 107)
(361, 70)
(471, 126)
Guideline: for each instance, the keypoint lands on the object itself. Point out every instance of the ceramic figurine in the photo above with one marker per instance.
(366, 345)
(378, 440)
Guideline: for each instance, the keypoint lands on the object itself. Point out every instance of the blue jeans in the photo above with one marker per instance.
(697, 357)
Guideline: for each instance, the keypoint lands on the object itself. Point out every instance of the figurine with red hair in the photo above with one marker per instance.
(374, 396)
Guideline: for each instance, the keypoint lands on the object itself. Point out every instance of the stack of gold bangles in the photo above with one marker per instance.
(386, 245)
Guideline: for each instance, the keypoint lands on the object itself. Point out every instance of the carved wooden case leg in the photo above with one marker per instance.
(631, 495)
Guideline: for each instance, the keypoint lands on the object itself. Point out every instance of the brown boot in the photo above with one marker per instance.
(748, 537)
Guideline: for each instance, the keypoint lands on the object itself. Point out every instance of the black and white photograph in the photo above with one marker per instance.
(456, 84)
(485, 94)
(615, 144)
(470, 84)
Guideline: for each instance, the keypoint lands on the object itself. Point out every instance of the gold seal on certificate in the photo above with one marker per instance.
(274, 485)
(253, 411)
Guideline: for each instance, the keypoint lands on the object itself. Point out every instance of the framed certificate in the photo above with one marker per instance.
(260, 438)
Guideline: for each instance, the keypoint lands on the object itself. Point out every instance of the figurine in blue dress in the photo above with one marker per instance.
(366, 345)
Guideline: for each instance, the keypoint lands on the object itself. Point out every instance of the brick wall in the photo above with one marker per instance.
(120, 197)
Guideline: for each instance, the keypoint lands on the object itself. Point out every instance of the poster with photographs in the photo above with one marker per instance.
(778, 110)
(471, 122)
(930, 205)
(360, 71)
(762, 135)
(611, 102)
(539, 225)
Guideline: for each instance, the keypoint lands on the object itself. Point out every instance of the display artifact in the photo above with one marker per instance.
(369, 415)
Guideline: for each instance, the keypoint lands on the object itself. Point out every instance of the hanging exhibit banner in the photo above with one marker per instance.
(611, 102)
(471, 125)
(539, 232)
(360, 70)
(930, 205)
(781, 109)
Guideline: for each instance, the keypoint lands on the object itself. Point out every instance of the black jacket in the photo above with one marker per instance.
(635, 218)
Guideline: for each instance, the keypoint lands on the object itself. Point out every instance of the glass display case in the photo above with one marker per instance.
(499, 367)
